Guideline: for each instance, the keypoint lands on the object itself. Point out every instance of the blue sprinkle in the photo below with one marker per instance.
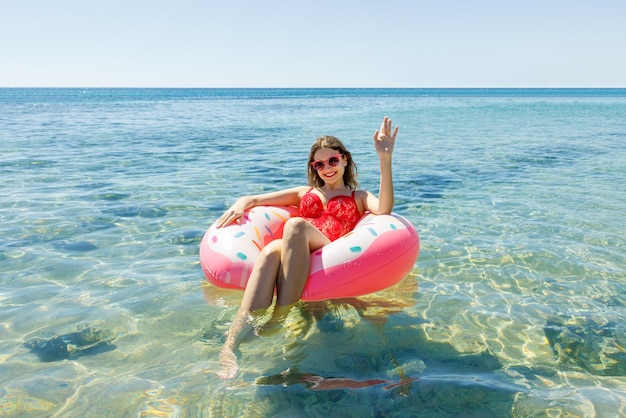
(242, 256)
(356, 249)
(393, 226)
(267, 216)
(372, 231)
(240, 234)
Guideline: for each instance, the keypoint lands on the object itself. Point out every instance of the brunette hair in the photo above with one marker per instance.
(350, 173)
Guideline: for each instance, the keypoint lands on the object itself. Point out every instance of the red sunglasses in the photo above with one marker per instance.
(332, 161)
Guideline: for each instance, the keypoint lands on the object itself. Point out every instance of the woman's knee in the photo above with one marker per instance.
(299, 230)
(295, 226)
(271, 252)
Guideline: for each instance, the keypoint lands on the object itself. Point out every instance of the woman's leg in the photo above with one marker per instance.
(283, 264)
(300, 238)
(257, 297)
(259, 290)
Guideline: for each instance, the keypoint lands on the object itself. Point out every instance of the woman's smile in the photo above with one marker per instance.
(330, 171)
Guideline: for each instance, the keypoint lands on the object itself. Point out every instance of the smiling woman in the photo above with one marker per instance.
(329, 208)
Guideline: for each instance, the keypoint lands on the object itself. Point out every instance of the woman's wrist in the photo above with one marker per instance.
(385, 159)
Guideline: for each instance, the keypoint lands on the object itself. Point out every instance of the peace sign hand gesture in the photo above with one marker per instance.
(385, 137)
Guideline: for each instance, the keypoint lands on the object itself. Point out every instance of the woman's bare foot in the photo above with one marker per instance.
(241, 326)
(228, 363)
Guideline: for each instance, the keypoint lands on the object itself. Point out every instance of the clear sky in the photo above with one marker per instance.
(313, 43)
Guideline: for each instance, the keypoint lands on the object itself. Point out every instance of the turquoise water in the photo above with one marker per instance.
(516, 306)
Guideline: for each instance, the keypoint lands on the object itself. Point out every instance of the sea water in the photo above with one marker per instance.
(515, 307)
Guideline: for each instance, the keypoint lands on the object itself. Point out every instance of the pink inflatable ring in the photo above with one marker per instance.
(378, 253)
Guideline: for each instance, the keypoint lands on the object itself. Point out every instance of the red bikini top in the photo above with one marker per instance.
(340, 216)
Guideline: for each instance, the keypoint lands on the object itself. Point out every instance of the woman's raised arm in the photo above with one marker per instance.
(384, 141)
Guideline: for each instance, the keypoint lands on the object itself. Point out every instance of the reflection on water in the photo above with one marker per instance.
(518, 197)
(367, 356)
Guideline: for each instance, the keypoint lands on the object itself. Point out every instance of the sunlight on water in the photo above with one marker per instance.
(515, 307)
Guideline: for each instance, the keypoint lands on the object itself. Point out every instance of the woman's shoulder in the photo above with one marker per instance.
(361, 194)
(302, 190)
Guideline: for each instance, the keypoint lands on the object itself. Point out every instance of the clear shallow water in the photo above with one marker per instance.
(515, 306)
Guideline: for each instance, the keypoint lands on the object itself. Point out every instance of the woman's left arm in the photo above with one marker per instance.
(384, 141)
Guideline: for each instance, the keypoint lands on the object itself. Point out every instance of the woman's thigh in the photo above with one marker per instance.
(299, 230)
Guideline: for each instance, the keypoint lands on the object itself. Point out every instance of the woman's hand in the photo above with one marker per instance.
(234, 213)
(385, 137)
(384, 140)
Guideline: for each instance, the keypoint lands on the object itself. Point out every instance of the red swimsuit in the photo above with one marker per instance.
(339, 217)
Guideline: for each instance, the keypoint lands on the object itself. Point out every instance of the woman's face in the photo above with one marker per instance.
(330, 165)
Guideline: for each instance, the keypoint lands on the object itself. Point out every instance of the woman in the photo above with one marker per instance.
(330, 207)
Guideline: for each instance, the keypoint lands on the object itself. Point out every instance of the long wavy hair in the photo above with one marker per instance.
(350, 173)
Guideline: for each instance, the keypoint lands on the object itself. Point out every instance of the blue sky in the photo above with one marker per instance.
(271, 43)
